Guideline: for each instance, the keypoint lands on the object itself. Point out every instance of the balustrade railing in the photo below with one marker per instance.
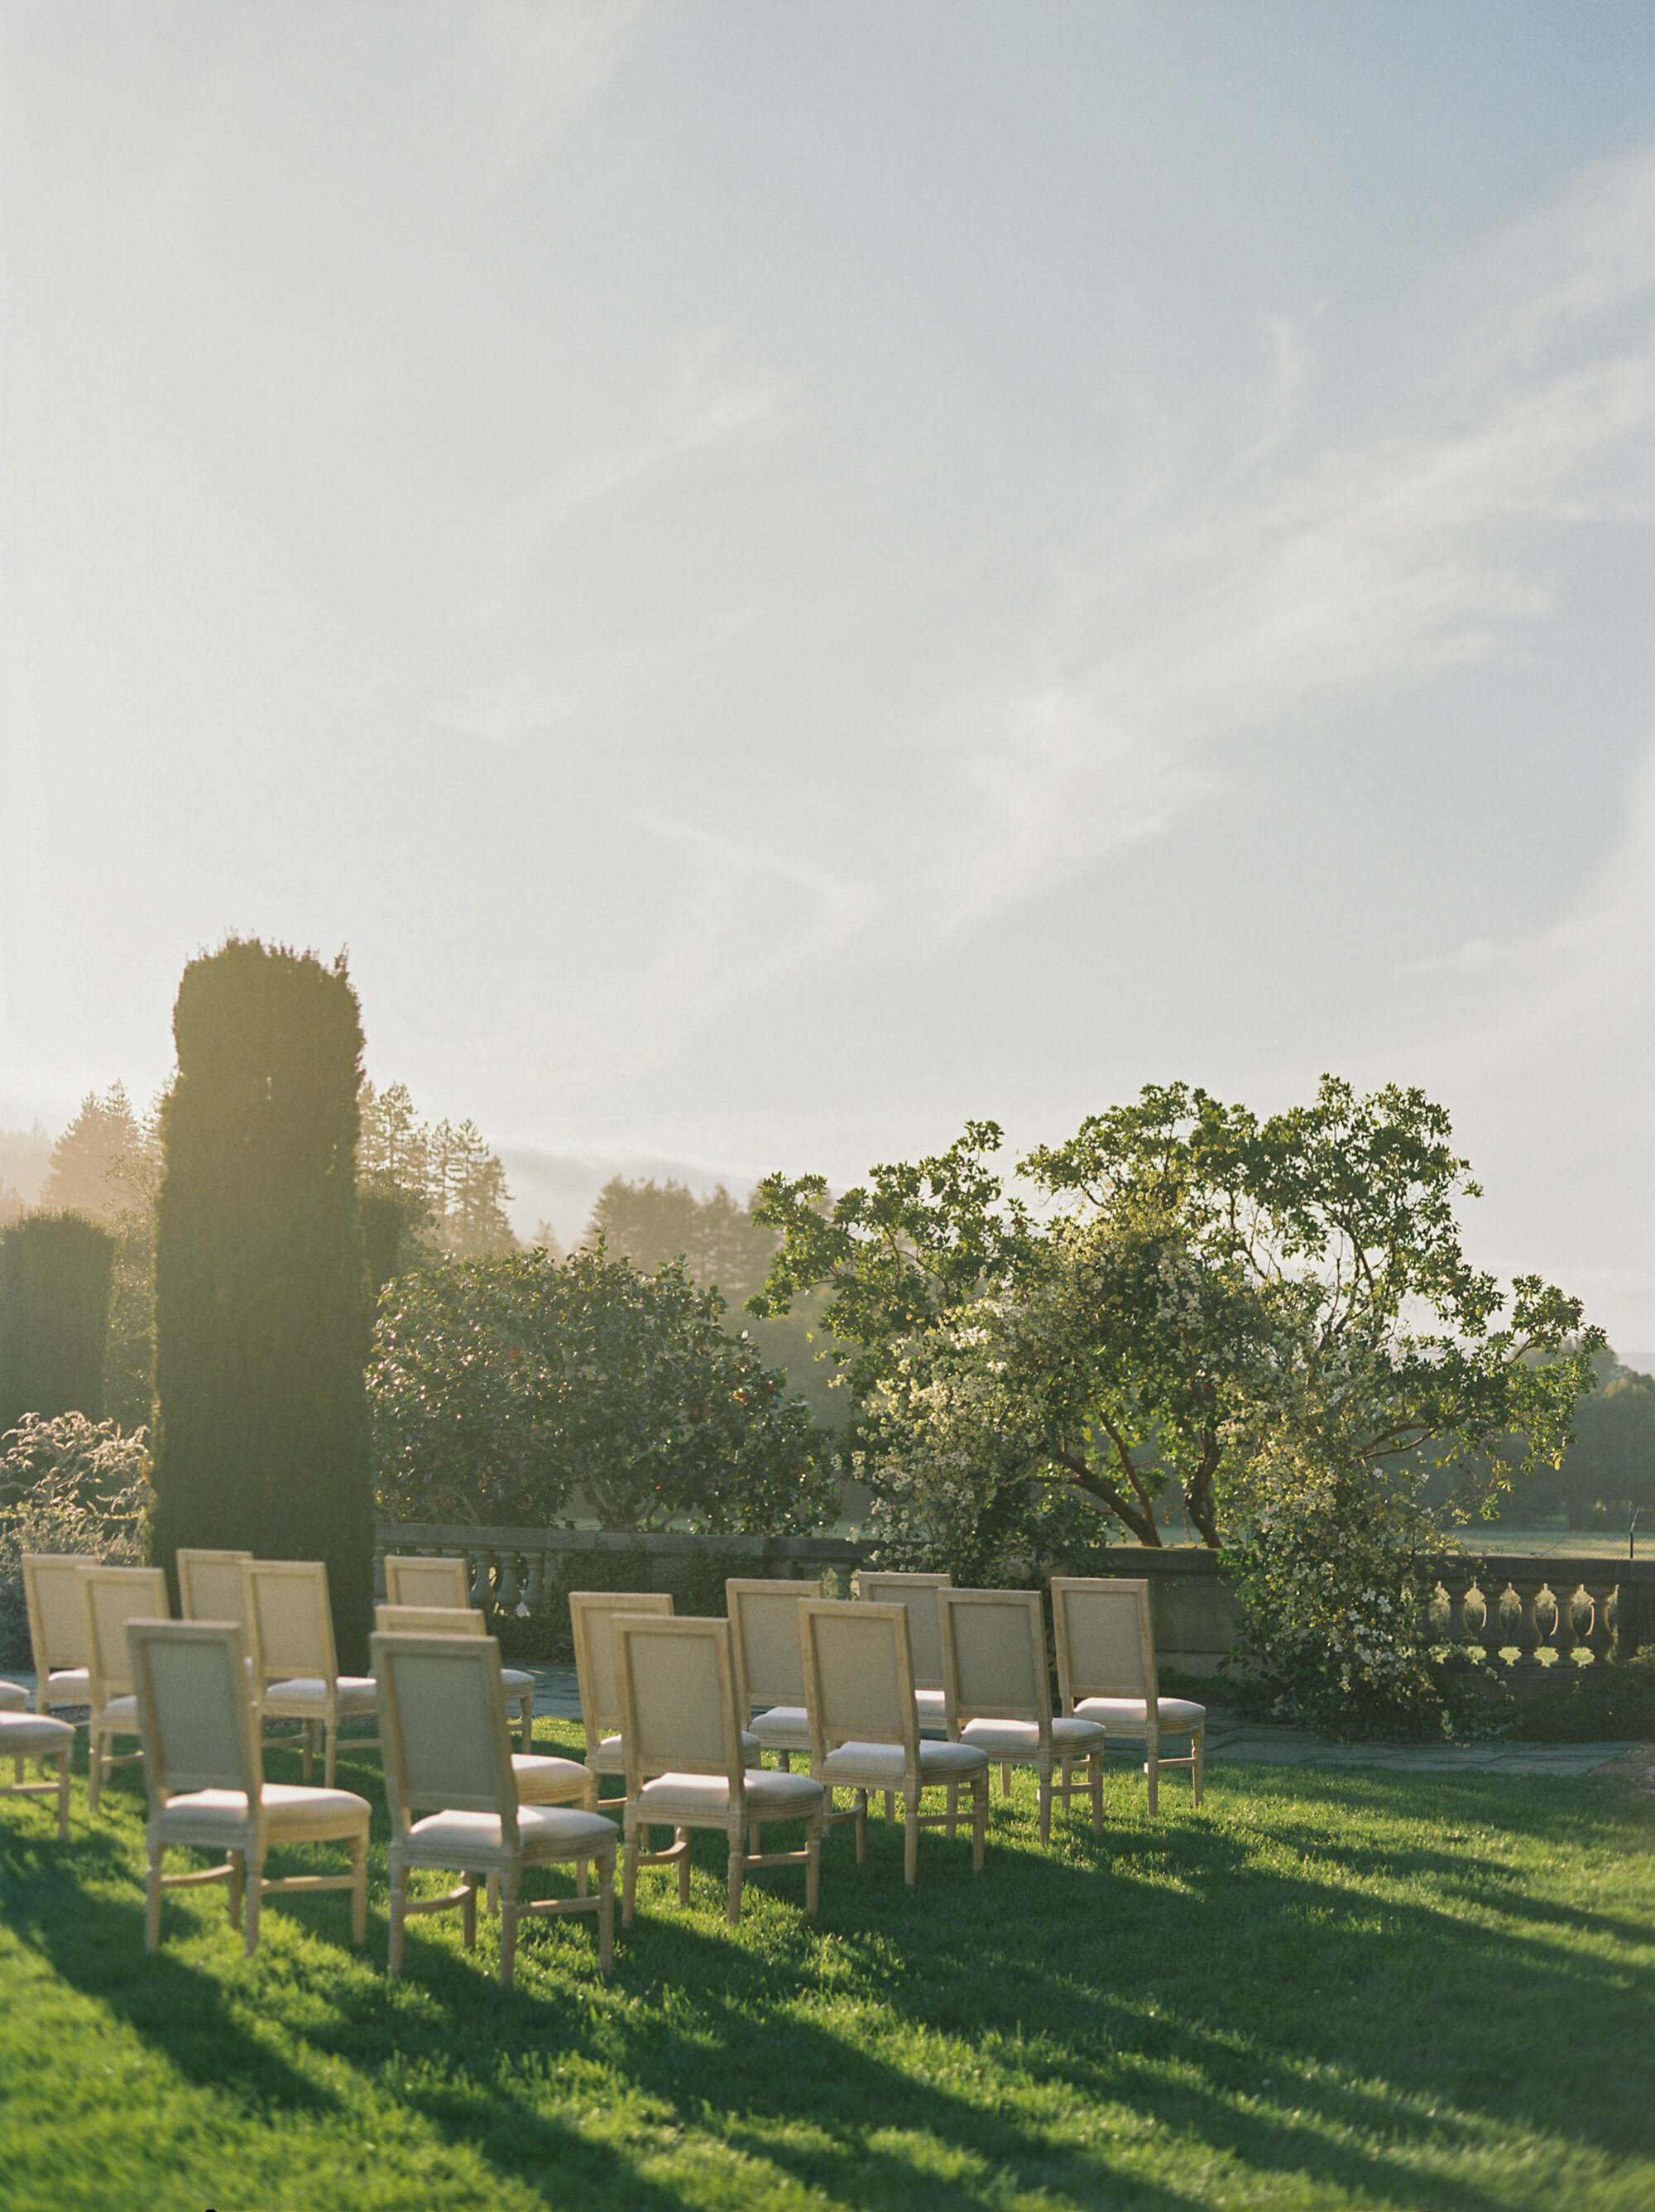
(510, 1568)
(1529, 1616)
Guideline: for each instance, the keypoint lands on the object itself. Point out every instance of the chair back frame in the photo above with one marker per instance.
(110, 1597)
(285, 1648)
(1104, 1657)
(843, 1700)
(430, 1620)
(211, 1586)
(181, 1669)
(51, 1592)
(764, 1640)
(1013, 1696)
(649, 1748)
(395, 1656)
(444, 1579)
(594, 1653)
(925, 1641)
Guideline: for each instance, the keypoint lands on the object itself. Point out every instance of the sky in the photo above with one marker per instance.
(783, 576)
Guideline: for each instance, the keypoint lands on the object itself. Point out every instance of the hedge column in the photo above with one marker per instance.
(54, 1316)
(262, 1313)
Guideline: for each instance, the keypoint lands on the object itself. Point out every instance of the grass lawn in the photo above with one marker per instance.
(1331, 1989)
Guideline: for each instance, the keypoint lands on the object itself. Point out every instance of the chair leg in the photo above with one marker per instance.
(738, 1869)
(813, 1867)
(93, 1772)
(784, 1761)
(468, 1910)
(1153, 1770)
(606, 1912)
(526, 1706)
(255, 1898)
(861, 1828)
(1005, 1777)
(1095, 1782)
(152, 1901)
(236, 1886)
(953, 1810)
(359, 1889)
(491, 1896)
(980, 1823)
(630, 1876)
(890, 1804)
(911, 1836)
(1067, 1782)
(306, 1750)
(579, 1877)
(1045, 1809)
(1196, 1769)
(331, 1754)
(682, 1836)
(64, 1763)
(508, 1882)
(398, 1915)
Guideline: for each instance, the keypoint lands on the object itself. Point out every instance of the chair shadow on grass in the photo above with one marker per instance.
(1063, 1968)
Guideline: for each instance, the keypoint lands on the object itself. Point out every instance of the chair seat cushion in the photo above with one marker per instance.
(307, 1693)
(292, 1810)
(120, 1716)
(515, 1682)
(544, 1780)
(69, 1685)
(608, 1758)
(881, 1766)
(783, 1727)
(13, 1698)
(31, 1732)
(450, 1839)
(1021, 1739)
(1129, 1716)
(932, 1708)
(692, 1797)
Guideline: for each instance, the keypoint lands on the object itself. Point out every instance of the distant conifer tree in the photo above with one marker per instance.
(262, 1313)
(54, 1316)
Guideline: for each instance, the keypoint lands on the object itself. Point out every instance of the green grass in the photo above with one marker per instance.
(1327, 1988)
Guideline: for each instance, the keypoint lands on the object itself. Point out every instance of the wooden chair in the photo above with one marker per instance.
(295, 1669)
(769, 1669)
(682, 1739)
(207, 1790)
(52, 1592)
(1105, 1636)
(999, 1692)
(411, 1579)
(25, 1735)
(110, 1597)
(211, 1586)
(541, 1780)
(865, 1728)
(917, 1592)
(447, 1752)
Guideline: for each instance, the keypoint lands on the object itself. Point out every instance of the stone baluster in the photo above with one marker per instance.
(1457, 1585)
(509, 1592)
(1490, 1629)
(1563, 1635)
(481, 1580)
(1531, 1636)
(1600, 1635)
(537, 1590)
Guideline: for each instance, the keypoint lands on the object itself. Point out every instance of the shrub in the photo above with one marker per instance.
(54, 1316)
(66, 1485)
(262, 1315)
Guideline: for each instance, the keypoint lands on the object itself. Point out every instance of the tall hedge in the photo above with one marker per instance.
(54, 1316)
(262, 1312)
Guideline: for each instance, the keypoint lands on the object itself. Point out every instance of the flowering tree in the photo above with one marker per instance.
(500, 1386)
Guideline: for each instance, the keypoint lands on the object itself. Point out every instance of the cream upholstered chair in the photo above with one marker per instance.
(918, 1593)
(864, 1724)
(295, 1671)
(448, 1753)
(207, 1790)
(1105, 1638)
(411, 1580)
(51, 1592)
(769, 1669)
(682, 1738)
(110, 1597)
(25, 1735)
(999, 1691)
(595, 1672)
(211, 1586)
(13, 1698)
(541, 1779)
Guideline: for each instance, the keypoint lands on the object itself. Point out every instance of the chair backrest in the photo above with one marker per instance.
(195, 1715)
(210, 1585)
(859, 1675)
(918, 1593)
(993, 1657)
(412, 1581)
(51, 1591)
(594, 1652)
(676, 1676)
(110, 1597)
(442, 1728)
(1105, 1638)
(769, 1669)
(289, 1619)
(428, 1620)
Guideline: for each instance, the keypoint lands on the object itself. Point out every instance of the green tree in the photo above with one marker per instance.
(1609, 1465)
(54, 1316)
(1196, 1282)
(502, 1386)
(262, 1315)
(427, 1193)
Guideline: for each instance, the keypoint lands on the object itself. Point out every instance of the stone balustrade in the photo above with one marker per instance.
(1530, 1617)
(511, 1568)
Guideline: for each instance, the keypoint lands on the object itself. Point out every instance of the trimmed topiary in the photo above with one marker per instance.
(54, 1316)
